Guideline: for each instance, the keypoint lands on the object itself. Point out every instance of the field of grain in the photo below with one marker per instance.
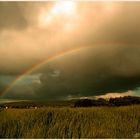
(66, 122)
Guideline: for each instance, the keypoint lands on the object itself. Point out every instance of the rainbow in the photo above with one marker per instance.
(36, 66)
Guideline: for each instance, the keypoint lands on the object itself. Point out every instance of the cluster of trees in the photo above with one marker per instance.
(89, 102)
(127, 100)
(119, 101)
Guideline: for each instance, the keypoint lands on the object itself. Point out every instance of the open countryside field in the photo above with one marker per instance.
(68, 122)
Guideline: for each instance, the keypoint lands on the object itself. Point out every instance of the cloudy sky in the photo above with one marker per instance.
(94, 49)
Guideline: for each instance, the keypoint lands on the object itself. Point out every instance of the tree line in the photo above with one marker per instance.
(118, 101)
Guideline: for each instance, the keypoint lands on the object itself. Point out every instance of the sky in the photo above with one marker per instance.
(94, 49)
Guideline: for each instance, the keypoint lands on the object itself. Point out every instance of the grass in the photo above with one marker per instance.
(66, 122)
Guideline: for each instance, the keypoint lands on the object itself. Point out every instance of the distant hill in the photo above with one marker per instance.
(118, 101)
(33, 104)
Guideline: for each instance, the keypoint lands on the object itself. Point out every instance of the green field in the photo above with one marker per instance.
(68, 122)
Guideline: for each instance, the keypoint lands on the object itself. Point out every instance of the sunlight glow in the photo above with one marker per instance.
(63, 11)
(64, 7)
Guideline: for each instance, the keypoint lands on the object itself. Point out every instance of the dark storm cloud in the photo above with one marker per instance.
(90, 74)
(112, 65)
(87, 72)
(2, 87)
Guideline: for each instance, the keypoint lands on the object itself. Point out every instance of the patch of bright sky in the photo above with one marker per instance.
(30, 79)
(55, 73)
(137, 92)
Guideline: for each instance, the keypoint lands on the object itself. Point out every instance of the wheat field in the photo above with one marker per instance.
(68, 122)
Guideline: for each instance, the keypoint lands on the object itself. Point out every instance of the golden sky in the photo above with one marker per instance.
(31, 32)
